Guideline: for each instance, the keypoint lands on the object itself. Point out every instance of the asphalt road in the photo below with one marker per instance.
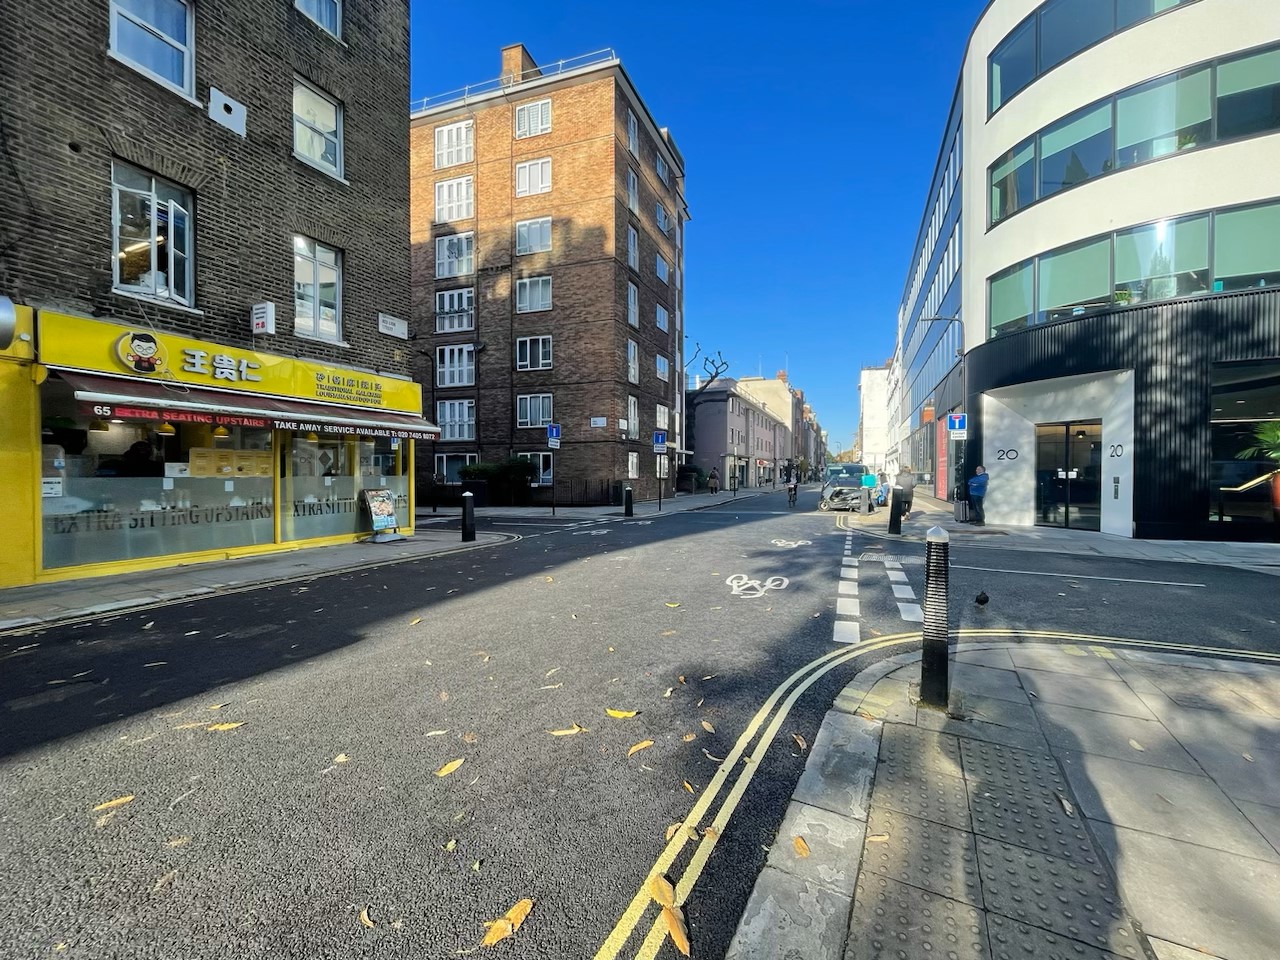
(351, 692)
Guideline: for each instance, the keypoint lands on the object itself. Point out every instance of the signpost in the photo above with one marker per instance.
(553, 443)
(958, 426)
(660, 448)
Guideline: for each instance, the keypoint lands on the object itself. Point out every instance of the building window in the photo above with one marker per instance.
(542, 461)
(633, 466)
(317, 290)
(456, 419)
(533, 236)
(663, 368)
(157, 38)
(449, 465)
(633, 248)
(533, 294)
(660, 165)
(660, 267)
(153, 236)
(1074, 280)
(1068, 26)
(456, 365)
(1013, 64)
(633, 134)
(1013, 180)
(317, 127)
(455, 255)
(454, 144)
(660, 317)
(633, 361)
(327, 13)
(1075, 149)
(633, 191)
(455, 200)
(533, 353)
(533, 176)
(633, 304)
(1164, 117)
(1009, 299)
(633, 418)
(1162, 260)
(1249, 95)
(1245, 252)
(533, 410)
(533, 119)
(455, 310)
(661, 218)
(662, 417)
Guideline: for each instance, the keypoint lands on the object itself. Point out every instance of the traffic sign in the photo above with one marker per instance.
(959, 434)
(553, 436)
(659, 441)
(957, 422)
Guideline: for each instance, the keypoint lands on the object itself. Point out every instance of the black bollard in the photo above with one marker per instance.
(468, 517)
(895, 511)
(628, 504)
(935, 680)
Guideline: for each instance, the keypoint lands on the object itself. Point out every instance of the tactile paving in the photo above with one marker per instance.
(922, 854)
(1011, 940)
(933, 797)
(918, 752)
(1075, 901)
(1014, 796)
(891, 921)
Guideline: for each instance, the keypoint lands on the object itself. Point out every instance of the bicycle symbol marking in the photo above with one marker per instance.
(792, 544)
(590, 533)
(741, 586)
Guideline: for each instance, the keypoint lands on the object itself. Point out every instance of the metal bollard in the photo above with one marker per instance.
(628, 503)
(895, 511)
(935, 680)
(468, 517)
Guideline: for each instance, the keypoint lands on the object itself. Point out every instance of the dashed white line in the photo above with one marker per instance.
(847, 607)
(846, 631)
(848, 573)
(849, 562)
(903, 591)
(896, 576)
(848, 588)
(911, 612)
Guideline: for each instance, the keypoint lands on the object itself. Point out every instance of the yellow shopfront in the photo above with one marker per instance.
(152, 449)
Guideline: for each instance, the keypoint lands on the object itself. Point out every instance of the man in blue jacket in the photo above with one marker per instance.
(977, 493)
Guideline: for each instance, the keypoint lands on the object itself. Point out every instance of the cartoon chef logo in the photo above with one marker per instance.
(141, 352)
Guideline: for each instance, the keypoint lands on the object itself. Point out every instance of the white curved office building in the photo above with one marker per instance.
(1104, 225)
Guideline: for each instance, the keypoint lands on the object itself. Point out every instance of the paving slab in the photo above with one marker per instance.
(1011, 940)
(914, 752)
(1056, 661)
(841, 765)
(1108, 735)
(1000, 684)
(922, 853)
(1243, 774)
(979, 730)
(934, 798)
(893, 921)
(1176, 951)
(997, 659)
(1205, 690)
(788, 917)
(1106, 696)
(890, 700)
(1265, 818)
(1004, 713)
(834, 843)
(1217, 902)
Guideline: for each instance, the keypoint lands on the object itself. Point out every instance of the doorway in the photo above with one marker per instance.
(1069, 475)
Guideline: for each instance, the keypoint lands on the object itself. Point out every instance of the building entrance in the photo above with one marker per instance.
(1069, 475)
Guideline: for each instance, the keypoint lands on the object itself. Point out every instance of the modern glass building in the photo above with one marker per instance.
(1096, 279)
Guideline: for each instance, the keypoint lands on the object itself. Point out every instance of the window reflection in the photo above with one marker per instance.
(1245, 427)
(1075, 149)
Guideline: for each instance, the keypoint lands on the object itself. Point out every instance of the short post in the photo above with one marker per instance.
(628, 504)
(468, 517)
(553, 494)
(895, 511)
(935, 680)
(659, 494)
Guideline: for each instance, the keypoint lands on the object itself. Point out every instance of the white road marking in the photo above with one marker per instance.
(846, 631)
(903, 591)
(848, 573)
(1074, 576)
(911, 612)
(523, 523)
(847, 607)
(892, 564)
(741, 586)
(848, 588)
(849, 562)
(896, 576)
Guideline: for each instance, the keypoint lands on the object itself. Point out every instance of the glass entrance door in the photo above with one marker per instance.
(1069, 475)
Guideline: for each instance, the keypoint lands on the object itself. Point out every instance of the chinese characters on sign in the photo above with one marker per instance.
(223, 366)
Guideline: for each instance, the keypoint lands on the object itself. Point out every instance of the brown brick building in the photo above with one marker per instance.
(547, 219)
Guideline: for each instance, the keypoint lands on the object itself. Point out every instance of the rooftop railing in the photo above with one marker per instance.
(507, 81)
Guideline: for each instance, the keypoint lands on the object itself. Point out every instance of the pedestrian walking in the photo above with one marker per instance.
(907, 482)
(977, 493)
(713, 481)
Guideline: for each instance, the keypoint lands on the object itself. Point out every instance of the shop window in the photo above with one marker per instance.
(324, 477)
(1162, 260)
(317, 290)
(1074, 280)
(1068, 26)
(1245, 251)
(1249, 95)
(1013, 181)
(153, 236)
(1245, 428)
(1076, 149)
(1009, 299)
(1164, 117)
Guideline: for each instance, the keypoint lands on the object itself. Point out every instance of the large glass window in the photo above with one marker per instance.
(1009, 301)
(1129, 12)
(455, 200)
(152, 235)
(455, 310)
(317, 290)
(1074, 280)
(456, 419)
(156, 38)
(1245, 249)
(1245, 424)
(455, 144)
(533, 236)
(317, 127)
(1075, 149)
(1013, 63)
(1163, 117)
(456, 365)
(1068, 26)
(1249, 95)
(1013, 180)
(533, 410)
(1162, 260)
(455, 256)
(325, 476)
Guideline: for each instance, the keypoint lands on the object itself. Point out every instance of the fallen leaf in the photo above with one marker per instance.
(674, 920)
(177, 842)
(621, 714)
(450, 845)
(1032, 693)
(800, 742)
(549, 579)
(475, 865)
(415, 621)
(667, 633)
(148, 625)
(691, 832)
(573, 616)
(112, 804)
(365, 921)
(552, 672)
(341, 758)
(687, 786)
(637, 747)
(611, 650)
(689, 737)
(1166, 799)
(865, 715)
(451, 766)
(508, 924)
(673, 605)
(708, 727)
(225, 726)
(1066, 805)
(700, 703)
(667, 695)
(469, 737)
(554, 686)
(444, 696)
(711, 676)
(878, 838)
(671, 830)
(662, 891)
(219, 706)
(710, 757)
(681, 679)
(436, 733)
(711, 832)
(568, 731)
(188, 726)
(164, 881)
(1137, 746)
(1247, 757)
(802, 848)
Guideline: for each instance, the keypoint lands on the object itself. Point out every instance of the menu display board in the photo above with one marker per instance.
(381, 505)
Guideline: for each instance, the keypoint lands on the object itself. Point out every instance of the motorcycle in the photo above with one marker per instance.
(840, 498)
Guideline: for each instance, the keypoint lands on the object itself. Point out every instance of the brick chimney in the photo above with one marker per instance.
(517, 65)
(782, 375)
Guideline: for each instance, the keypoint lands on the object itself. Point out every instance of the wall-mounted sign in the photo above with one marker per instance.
(262, 318)
(393, 326)
(599, 421)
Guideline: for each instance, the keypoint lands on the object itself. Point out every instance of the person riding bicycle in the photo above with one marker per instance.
(793, 488)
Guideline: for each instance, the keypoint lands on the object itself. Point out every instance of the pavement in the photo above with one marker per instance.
(1075, 800)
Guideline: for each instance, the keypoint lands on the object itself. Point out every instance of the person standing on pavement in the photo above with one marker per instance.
(907, 482)
(977, 493)
(713, 481)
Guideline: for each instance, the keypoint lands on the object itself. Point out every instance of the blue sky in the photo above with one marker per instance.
(809, 132)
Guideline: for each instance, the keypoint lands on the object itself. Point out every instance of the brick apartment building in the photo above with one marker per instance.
(547, 223)
(166, 167)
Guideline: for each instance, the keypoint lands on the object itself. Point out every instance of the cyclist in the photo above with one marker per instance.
(793, 488)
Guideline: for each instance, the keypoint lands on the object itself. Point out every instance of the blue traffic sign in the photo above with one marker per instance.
(553, 431)
(659, 437)
(957, 421)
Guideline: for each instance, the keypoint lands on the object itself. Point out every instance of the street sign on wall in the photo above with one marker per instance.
(659, 441)
(553, 436)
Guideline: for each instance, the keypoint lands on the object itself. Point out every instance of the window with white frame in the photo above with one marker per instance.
(633, 191)
(455, 144)
(633, 361)
(633, 418)
(633, 304)
(317, 290)
(660, 317)
(533, 294)
(633, 134)
(533, 236)
(533, 410)
(661, 217)
(664, 173)
(663, 368)
(456, 419)
(662, 417)
(456, 365)
(455, 310)
(533, 353)
(449, 465)
(660, 267)
(455, 200)
(633, 248)
(633, 466)
(543, 462)
(152, 236)
(455, 255)
(327, 13)
(662, 466)
(317, 127)
(157, 38)
(533, 119)
(533, 176)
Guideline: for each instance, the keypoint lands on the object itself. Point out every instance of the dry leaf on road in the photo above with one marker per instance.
(621, 714)
(711, 757)
(1247, 757)
(436, 733)
(508, 924)
(662, 891)
(177, 842)
(568, 731)
(117, 802)
(554, 686)
(1066, 805)
(449, 767)
(689, 737)
(673, 917)
(708, 727)
(878, 838)
(225, 726)
(341, 758)
(164, 881)
(667, 695)
(415, 621)
(365, 921)
(552, 672)
(687, 785)
(672, 605)
(671, 830)
(1137, 746)
(637, 747)
(800, 742)
(802, 848)
(711, 832)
